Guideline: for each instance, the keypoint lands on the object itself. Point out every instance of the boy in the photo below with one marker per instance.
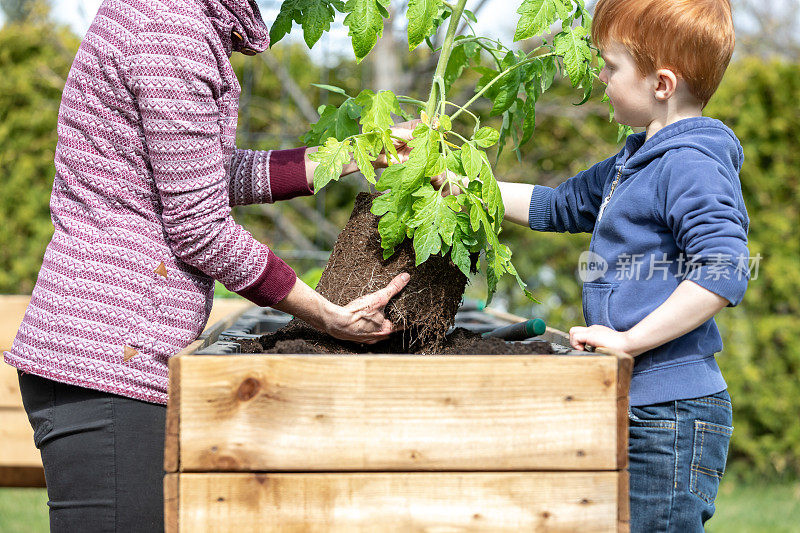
(669, 209)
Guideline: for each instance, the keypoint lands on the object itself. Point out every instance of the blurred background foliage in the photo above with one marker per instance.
(758, 99)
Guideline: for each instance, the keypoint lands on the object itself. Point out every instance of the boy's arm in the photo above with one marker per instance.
(572, 206)
(689, 306)
(516, 200)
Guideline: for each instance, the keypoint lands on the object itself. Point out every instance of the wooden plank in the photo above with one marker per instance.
(623, 389)
(227, 312)
(624, 502)
(20, 461)
(497, 502)
(12, 311)
(9, 387)
(171, 499)
(398, 413)
(173, 424)
(16, 436)
(31, 477)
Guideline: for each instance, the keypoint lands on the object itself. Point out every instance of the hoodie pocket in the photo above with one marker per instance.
(595, 302)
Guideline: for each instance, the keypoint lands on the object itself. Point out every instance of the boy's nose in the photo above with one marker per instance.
(603, 77)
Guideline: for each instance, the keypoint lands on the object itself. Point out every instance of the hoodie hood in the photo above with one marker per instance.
(239, 24)
(707, 135)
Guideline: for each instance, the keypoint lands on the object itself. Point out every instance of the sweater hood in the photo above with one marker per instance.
(242, 17)
(707, 135)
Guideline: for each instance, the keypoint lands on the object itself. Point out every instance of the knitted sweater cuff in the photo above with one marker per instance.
(287, 173)
(273, 284)
(539, 212)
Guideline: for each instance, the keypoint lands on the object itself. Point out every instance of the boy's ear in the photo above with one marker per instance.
(666, 84)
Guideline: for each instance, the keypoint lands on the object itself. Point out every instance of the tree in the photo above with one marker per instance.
(34, 59)
(25, 10)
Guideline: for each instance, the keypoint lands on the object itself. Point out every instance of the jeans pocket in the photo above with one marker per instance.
(708, 459)
(652, 416)
(38, 398)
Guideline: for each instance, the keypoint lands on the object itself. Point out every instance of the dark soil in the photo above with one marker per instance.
(425, 309)
(459, 342)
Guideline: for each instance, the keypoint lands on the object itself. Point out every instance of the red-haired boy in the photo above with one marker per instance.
(669, 224)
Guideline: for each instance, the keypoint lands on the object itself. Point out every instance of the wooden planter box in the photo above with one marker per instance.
(397, 443)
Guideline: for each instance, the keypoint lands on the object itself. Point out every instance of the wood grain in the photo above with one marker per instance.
(20, 462)
(398, 413)
(171, 503)
(407, 502)
(9, 387)
(12, 311)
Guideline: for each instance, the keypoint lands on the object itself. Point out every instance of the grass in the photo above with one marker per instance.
(740, 509)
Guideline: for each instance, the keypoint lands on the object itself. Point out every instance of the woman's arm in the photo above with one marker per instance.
(362, 320)
(689, 306)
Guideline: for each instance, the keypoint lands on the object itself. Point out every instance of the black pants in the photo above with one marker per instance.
(103, 456)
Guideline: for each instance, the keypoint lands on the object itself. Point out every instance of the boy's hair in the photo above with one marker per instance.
(693, 38)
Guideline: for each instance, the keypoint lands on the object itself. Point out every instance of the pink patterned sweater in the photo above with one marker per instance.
(146, 174)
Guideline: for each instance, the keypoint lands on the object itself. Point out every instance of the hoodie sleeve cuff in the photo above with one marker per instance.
(287, 174)
(539, 213)
(272, 285)
(724, 280)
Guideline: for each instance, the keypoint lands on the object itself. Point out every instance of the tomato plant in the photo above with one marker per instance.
(359, 127)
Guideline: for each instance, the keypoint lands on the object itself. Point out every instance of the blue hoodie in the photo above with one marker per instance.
(677, 213)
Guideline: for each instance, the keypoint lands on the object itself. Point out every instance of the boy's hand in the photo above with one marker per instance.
(599, 336)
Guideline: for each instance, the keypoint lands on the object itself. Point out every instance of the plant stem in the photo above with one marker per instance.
(494, 80)
(444, 56)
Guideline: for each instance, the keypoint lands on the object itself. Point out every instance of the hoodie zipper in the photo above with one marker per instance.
(610, 193)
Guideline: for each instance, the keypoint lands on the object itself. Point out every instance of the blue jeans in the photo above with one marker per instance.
(677, 452)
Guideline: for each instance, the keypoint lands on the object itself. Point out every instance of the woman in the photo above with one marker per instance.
(146, 174)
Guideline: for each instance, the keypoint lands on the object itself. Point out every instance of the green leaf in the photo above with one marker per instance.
(460, 255)
(365, 20)
(573, 46)
(334, 122)
(317, 18)
(377, 109)
(528, 120)
(537, 17)
(421, 15)
(331, 88)
(283, 22)
(459, 60)
(507, 86)
(486, 137)
(332, 157)
(490, 192)
(434, 221)
(454, 162)
(623, 131)
(549, 72)
(362, 153)
(471, 160)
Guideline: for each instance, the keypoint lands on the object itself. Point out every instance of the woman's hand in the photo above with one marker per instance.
(450, 183)
(362, 320)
